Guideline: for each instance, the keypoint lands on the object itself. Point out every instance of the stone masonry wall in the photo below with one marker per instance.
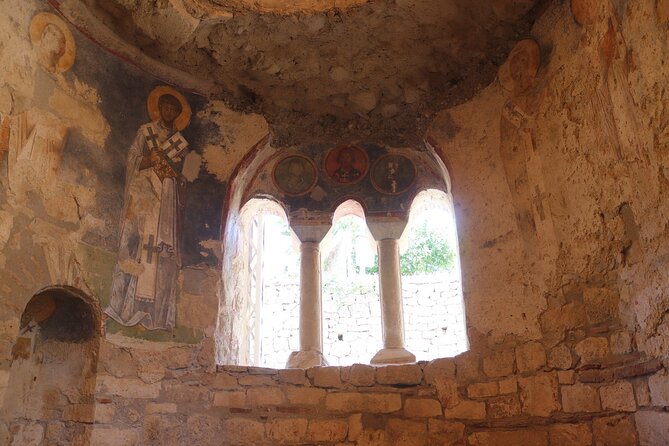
(524, 395)
(566, 318)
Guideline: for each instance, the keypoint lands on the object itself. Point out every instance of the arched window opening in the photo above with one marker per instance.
(340, 288)
(351, 311)
(434, 315)
(55, 354)
(273, 269)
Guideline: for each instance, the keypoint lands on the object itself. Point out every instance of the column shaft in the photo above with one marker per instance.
(310, 353)
(311, 333)
(390, 283)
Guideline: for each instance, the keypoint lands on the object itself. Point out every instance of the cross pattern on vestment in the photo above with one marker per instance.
(174, 146)
(150, 248)
(152, 138)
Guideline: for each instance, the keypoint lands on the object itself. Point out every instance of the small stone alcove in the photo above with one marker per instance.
(53, 369)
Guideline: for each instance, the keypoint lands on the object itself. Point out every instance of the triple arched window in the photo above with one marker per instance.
(431, 308)
(340, 256)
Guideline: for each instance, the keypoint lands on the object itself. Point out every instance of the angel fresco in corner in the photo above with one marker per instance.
(37, 137)
(53, 42)
(145, 277)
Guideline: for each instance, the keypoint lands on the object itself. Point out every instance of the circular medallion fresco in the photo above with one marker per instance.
(295, 175)
(393, 174)
(346, 164)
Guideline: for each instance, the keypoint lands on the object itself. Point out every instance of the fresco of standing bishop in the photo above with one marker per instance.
(145, 277)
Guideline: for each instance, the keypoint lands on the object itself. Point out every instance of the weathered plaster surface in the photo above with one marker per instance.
(60, 214)
(323, 70)
(237, 133)
(566, 309)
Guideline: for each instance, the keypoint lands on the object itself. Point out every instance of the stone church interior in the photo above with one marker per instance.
(211, 231)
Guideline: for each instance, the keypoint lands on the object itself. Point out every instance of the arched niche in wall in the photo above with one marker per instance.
(53, 368)
(310, 183)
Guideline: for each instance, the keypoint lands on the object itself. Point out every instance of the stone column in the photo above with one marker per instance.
(387, 232)
(311, 315)
(311, 332)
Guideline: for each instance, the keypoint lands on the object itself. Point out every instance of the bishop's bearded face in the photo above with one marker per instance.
(170, 108)
(346, 158)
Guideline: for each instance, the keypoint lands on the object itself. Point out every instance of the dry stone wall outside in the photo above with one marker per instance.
(433, 312)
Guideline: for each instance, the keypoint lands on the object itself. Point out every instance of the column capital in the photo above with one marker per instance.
(310, 228)
(386, 227)
(310, 231)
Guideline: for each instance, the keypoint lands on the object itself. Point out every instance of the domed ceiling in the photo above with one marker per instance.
(328, 70)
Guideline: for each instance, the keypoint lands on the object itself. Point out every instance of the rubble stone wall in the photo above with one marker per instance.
(523, 395)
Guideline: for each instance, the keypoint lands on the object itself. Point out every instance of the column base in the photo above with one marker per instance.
(306, 359)
(393, 356)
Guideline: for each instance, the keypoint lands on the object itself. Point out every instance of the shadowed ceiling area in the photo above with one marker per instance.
(285, 7)
(326, 69)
